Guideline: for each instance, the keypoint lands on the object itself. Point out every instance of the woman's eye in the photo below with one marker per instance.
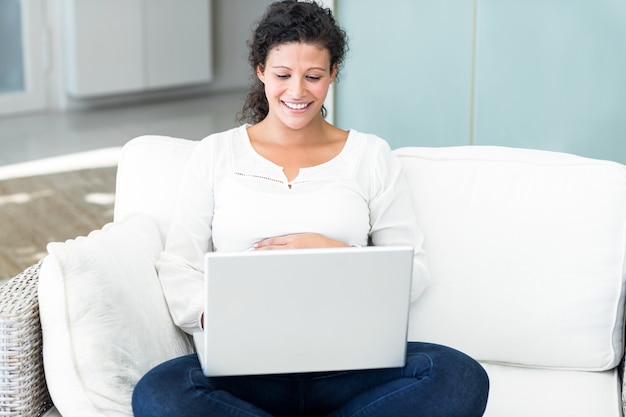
(308, 77)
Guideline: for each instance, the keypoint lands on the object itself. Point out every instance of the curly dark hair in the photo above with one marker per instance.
(290, 21)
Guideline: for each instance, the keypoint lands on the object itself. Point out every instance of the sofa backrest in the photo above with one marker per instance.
(527, 253)
(527, 249)
(148, 173)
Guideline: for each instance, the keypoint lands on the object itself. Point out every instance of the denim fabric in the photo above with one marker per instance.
(436, 381)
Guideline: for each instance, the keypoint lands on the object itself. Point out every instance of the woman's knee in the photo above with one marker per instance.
(445, 359)
(453, 374)
(162, 385)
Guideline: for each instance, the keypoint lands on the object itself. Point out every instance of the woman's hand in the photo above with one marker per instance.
(298, 241)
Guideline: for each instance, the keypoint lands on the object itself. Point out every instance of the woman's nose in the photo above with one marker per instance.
(297, 87)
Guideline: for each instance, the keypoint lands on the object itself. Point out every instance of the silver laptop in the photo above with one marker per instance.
(305, 310)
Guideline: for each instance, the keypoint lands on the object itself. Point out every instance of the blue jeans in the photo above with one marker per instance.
(436, 381)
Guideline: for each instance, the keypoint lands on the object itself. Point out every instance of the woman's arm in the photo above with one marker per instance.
(181, 265)
(392, 216)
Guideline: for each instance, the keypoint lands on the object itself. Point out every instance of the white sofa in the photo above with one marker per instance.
(527, 251)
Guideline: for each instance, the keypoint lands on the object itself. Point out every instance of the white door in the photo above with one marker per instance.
(22, 64)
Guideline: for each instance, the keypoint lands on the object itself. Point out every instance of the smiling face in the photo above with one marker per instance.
(297, 77)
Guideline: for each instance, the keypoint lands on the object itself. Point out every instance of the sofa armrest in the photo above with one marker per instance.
(23, 390)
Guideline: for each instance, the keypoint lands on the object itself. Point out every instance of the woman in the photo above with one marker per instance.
(292, 180)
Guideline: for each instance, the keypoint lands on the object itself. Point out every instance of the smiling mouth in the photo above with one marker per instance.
(296, 106)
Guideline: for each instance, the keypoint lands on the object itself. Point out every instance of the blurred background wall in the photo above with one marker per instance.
(545, 74)
(44, 37)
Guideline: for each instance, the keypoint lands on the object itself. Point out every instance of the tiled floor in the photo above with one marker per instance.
(37, 136)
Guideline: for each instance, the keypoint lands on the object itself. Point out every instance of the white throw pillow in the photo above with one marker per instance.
(104, 318)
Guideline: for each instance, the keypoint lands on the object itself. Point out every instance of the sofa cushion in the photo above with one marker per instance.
(104, 319)
(527, 255)
(536, 392)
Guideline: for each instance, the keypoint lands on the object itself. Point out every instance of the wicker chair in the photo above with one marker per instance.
(23, 390)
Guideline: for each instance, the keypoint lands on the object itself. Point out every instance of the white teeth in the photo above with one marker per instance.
(296, 106)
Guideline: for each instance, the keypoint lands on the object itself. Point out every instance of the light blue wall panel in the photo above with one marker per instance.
(11, 48)
(551, 74)
(407, 76)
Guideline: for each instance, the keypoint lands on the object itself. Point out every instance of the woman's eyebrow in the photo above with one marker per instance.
(289, 68)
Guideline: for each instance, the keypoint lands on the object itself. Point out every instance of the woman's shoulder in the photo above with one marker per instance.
(371, 147)
(214, 147)
(375, 155)
(226, 135)
(219, 143)
(369, 140)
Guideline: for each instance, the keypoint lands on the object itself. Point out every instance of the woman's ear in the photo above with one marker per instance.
(260, 73)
